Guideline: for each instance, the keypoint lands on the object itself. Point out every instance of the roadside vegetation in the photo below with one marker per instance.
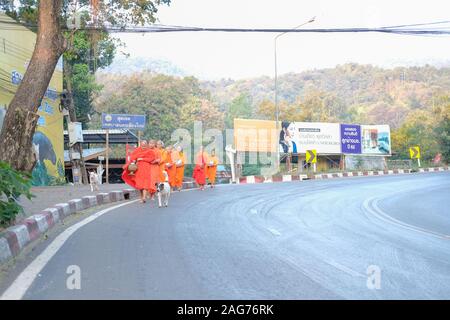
(13, 185)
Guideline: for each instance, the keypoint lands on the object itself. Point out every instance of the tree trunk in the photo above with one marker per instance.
(73, 118)
(21, 116)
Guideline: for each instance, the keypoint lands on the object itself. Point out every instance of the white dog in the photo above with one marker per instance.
(93, 181)
(163, 191)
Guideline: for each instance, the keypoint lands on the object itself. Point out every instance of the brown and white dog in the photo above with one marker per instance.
(163, 191)
(93, 181)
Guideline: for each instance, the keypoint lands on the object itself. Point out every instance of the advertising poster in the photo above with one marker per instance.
(255, 135)
(302, 136)
(48, 141)
(376, 139)
(297, 137)
(351, 138)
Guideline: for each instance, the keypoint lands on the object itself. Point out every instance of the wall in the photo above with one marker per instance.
(16, 48)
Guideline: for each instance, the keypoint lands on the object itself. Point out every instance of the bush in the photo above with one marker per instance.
(13, 184)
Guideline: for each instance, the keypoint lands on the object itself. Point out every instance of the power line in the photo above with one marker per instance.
(400, 29)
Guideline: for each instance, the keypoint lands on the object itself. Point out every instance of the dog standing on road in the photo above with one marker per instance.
(163, 191)
(93, 181)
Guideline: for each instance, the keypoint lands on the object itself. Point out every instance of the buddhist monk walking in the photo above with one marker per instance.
(211, 168)
(180, 160)
(143, 156)
(200, 167)
(163, 159)
(127, 176)
(154, 168)
(170, 166)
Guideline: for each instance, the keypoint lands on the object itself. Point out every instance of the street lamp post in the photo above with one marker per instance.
(277, 111)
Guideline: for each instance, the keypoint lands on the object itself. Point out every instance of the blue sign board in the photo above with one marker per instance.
(123, 121)
(350, 138)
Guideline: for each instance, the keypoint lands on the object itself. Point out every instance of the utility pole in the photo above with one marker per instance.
(277, 111)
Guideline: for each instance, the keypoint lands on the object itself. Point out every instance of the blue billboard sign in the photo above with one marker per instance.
(123, 121)
(351, 138)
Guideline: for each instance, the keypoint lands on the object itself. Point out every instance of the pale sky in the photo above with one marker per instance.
(236, 56)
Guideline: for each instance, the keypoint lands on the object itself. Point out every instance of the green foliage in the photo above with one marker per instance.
(114, 12)
(13, 184)
(428, 129)
(168, 102)
(413, 101)
(240, 107)
(89, 50)
(354, 93)
(82, 62)
(442, 129)
(251, 170)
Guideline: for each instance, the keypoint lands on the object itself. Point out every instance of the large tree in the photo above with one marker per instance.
(21, 116)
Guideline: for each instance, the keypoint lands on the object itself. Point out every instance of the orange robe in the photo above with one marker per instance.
(211, 170)
(199, 173)
(154, 169)
(179, 171)
(162, 165)
(126, 177)
(143, 173)
(171, 169)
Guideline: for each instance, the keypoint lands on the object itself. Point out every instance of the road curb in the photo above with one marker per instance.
(301, 177)
(16, 237)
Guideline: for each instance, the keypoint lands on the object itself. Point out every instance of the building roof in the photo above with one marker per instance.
(88, 154)
(116, 136)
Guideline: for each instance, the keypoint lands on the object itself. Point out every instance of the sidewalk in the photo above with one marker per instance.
(46, 197)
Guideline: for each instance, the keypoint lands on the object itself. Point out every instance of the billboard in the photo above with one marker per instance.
(301, 136)
(325, 138)
(123, 121)
(350, 138)
(255, 135)
(48, 140)
(376, 139)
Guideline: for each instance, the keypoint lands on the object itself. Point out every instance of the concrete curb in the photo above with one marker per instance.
(15, 238)
(301, 177)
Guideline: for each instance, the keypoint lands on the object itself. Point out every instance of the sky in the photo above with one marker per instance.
(214, 56)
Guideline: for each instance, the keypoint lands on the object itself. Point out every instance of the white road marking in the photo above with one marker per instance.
(370, 205)
(23, 282)
(274, 232)
(345, 269)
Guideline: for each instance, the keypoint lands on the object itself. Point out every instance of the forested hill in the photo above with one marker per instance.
(362, 86)
(127, 65)
(414, 101)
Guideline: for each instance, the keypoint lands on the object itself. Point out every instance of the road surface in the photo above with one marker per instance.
(352, 238)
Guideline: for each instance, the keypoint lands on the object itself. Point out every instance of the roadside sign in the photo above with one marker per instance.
(414, 152)
(123, 121)
(75, 132)
(311, 156)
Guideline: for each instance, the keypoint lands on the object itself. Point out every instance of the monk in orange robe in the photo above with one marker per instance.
(199, 174)
(154, 167)
(127, 177)
(164, 159)
(142, 156)
(179, 159)
(211, 168)
(170, 166)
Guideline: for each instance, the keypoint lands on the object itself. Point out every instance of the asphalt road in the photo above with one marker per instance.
(310, 240)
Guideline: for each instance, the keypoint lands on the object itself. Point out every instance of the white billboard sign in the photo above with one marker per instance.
(319, 136)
